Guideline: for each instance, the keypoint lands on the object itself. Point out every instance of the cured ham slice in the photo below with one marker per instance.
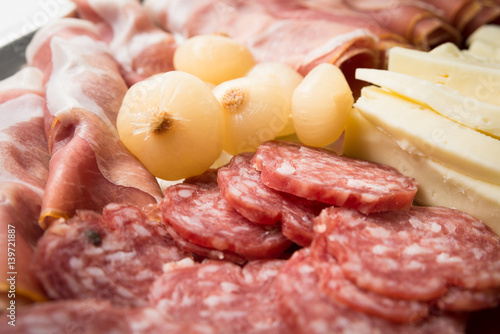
(24, 160)
(421, 25)
(89, 165)
(113, 256)
(38, 51)
(300, 43)
(140, 47)
(467, 15)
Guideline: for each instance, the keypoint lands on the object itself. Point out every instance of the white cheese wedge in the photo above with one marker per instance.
(439, 185)
(480, 116)
(452, 51)
(420, 130)
(475, 80)
(485, 50)
(489, 33)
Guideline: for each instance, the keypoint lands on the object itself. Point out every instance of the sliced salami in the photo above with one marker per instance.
(243, 189)
(334, 283)
(96, 317)
(201, 253)
(321, 175)
(200, 215)
(414, 254)
(115, 256)
(221, 294)
(307, 309)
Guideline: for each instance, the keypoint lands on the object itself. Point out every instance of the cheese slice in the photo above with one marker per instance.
(488, 33)
(473, 79)
(480, 116)
(420, 130)
(485, 50)
(439, 185)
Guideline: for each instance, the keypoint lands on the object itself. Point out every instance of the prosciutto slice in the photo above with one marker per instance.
(467, 15)
(24, 160)
(89, 165)
(423, 26)
(140, 47)
(300, 43)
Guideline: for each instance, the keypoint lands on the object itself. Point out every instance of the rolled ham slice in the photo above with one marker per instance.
(300, 43)
(467, 15)
(140, 47)
(423, 26)
(24, 160)
(89, 165)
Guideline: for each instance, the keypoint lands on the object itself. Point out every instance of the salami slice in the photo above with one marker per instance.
(115, 256)
(201, 253)
(319, 174)
(221, 294)
(334, 283)
(199, 214)
(96, 317)
(243, 189)
(307, 309)
(414, 254)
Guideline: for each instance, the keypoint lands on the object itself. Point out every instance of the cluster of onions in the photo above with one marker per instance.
(219, 101)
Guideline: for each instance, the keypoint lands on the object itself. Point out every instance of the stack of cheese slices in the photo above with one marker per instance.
(436, 117)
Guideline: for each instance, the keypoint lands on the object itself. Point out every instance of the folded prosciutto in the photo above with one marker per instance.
(140, 47)
(467, 15)
(300, 43)
(24, 160)
(89, 166)
(422, 26)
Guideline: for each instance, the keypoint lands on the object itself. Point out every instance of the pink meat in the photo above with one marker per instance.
(321, 175)
(96, 317)
(305, 308)
(115, 256)
(89, 165)
(140, 47)
(221, 294)
(24, 161)
(466, 15)
(414, 254)
(333, 282)
(420, 24)
(271, 38)
(242, 188)
(199, 214)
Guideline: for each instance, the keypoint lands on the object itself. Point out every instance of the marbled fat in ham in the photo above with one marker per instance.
(89, 166)
(140, 47)
(300, 43)
(423, 27)
(24, 160)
